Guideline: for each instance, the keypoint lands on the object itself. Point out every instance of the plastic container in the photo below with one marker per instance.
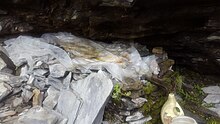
(170, 109)
(183, 120)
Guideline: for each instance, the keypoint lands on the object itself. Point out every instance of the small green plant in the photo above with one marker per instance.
(213, 121)
(179, 81)
(149, 88)
(199, 89)
(117, 92)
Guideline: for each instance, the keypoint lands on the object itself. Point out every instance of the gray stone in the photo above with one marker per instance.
(39, 115)
(94, 91)
(14, 81)
(57, 70)
(23, 48)
(16, 102)
(216, 110)
(2, 64)
(7, 113)
(56, 83)
(52, 98)
(39, 82)
(40, 72)
(105, 122)
(69, 106)
(99, 117)
(26, 95)
(139, 101)
(141, 121)
(131, 84)
(212, 99)
(24, 70)
(77, 76)
(10, 120)
(67, 81)
(128, 105)
(7, 70)
(125, 113)
(30, 80)
(135, 116)
(211, 90)
(217, 105)
(5, 89)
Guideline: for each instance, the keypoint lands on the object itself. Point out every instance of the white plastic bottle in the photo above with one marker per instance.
(170, 109)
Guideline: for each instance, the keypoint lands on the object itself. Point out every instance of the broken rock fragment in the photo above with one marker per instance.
(40, 115)
(57, 70)
(26, 94)
(211, 89)
(94, 91)
(16, 102)
(2, 64)
(212, 99)
(52, 98)
(7, 113)
(134, 117)
(5, 89)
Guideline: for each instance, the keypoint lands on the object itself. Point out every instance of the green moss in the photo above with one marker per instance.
(147, 107)
(156, 116)
(153, 108)
(195, 95)
(149, 88)
(117, 93)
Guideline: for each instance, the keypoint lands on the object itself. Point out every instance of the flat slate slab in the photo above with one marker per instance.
(212, 99)
(211, 90)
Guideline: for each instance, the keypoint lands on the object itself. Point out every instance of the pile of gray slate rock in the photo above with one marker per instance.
(63, 79)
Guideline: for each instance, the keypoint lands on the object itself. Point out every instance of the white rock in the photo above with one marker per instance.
(141, 121)
(139, 101)
(211, 89)
(14, 81)
(26, 95)
(212, 99)
(69, 106)
(30, 80)
(39, 115)
(67, 81)
(2, 64)
(7, 113)
(125, 113)
(94, 91)
(56, 83)
(57, 70)
(5, 89)
(52, 98)
(40, 72)
(24, 70)
(23, 48)
(134, 117)
(16, 102)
